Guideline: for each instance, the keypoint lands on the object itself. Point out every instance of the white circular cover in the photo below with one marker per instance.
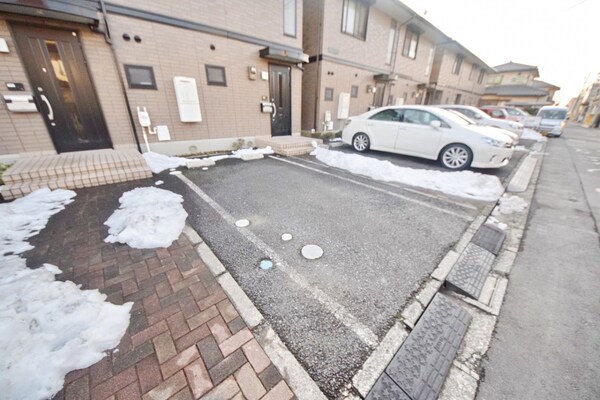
(312, 252)
(286, 237)
(242, 223)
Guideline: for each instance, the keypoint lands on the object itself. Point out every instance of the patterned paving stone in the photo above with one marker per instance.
(420, 367)
(470, 271)
(489, 237)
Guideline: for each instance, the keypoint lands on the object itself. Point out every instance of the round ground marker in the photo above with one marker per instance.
(266, 264)
(204, 168)
(175, 173)
(312, 252)
(242, 223)
(286, 237)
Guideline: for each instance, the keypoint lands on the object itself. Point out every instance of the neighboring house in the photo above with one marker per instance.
(366, 54)
(585, 108)
(515, 84)
(225, 57)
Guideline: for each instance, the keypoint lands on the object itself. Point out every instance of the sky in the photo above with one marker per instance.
(560, 37)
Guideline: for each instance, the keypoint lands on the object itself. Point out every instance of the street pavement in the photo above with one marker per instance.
(547, 341)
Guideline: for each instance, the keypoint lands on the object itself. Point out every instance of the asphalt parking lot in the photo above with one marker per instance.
(380, 241)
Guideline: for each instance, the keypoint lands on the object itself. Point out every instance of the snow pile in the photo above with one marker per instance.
(239, 153)
(47, 327)
(466, 184)
(494, 221)
(147, 218)
(27, 216)
(511, 204)
(530, 134)
(159, 162)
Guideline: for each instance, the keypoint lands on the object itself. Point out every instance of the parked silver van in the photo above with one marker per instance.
(552, 120)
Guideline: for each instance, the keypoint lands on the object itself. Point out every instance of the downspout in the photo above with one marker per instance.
(396, 45)
(108, 40)
(319, 62)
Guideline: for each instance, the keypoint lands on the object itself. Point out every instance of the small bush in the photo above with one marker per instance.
(3, 167)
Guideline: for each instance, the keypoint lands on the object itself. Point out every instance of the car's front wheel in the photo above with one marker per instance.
(456, 157)
(361, 142)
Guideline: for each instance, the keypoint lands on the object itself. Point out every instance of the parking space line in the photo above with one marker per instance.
(362, 331)
(466, 217)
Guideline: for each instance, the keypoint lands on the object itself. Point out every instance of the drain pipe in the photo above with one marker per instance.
(108, 40)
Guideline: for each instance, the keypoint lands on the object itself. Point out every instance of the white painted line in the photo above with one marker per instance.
(249, 313)
(362, 331)
(366, 377)
(421, 203)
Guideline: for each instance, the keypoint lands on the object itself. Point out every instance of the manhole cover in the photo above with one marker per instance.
(266, 264)
(242, 223)
(312, 252)
(286, 237)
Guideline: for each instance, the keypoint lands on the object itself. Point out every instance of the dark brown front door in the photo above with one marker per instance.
(280, 87)
(63, 88)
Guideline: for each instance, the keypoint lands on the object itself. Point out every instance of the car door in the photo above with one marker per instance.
(416, 136)
(383, 128)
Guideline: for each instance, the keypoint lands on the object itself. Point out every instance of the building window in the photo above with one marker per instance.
(481, 76)
(140, 77)
(390, 100)
(411, 42)
(390, 45)
(457, 64)
(354, 91)
(215, 75)
(289, 17)
(354, 18)
(328, 94)
(458, 98)
(429, 61)
(474, 72)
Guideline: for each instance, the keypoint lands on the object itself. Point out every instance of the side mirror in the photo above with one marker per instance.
(435, 124)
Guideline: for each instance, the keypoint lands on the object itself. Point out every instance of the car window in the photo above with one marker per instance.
(421, 118)
(394, 115)
(513, 111)
(497, 113)
(467, 112)
(553, 114)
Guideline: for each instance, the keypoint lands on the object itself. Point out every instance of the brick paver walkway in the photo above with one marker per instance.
(185, 339)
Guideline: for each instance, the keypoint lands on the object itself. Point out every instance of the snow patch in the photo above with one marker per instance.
(244, 152)
(530, 134)
(159, 162)
(511, 204)
(158, 183)
(466, 184)
(494, 221)
(47, 327)
(147, 218)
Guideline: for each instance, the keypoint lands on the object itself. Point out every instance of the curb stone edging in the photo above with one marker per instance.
(294, 374)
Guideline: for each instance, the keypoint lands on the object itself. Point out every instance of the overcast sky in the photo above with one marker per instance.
(560, 37)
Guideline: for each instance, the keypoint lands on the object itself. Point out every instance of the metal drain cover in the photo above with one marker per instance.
(490, 237)
(470, 271)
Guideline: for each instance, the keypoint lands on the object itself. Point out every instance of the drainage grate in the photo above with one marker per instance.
(489, 237)
(420, 367)
(470, 271)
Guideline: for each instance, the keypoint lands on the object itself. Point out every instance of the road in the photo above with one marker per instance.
(547, 341)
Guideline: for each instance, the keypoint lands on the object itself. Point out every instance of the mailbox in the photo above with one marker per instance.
(20, 103)
(266, 107)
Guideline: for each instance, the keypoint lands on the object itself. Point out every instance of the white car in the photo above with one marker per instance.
(552, 120)
(481, 118)
(429, 132)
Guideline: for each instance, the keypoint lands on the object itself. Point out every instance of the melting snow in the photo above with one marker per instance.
(495, 222)
(159, 162)
(467, 184)
(158, 183)
(47, 327)
(511, 204)
(530, 134)
(239, 153)
(147, 218)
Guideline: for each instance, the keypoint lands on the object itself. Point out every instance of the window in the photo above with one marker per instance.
(429, 61)
(481, 76)
(391, 115)
(390, 100)
(421, 118)
(328, 94)
(216, 75)
(354, 91)
(458, 98)
(457, 64)
(390, 45)
(354, 18)
(474, 71)
(289, 17)
(411, 42)
(140, 77)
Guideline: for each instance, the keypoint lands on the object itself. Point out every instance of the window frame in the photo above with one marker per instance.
(399, 113)
(456, 67)
(132, 85)
(325, 96)
(408, 38)
(215, 83)
(356, 31)
(473, 73)
(354, 91)
(295, 19)
(481, 76)
(389, 52)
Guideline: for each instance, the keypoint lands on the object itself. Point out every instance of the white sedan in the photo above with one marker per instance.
(429, 132)
(481, 118)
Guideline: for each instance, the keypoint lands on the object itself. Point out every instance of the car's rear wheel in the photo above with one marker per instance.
(456, 157)
(361, 142)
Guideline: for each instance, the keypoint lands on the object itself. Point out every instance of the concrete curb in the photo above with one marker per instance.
(294, 374)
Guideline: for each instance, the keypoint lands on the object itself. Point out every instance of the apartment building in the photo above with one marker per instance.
(366, 54)
(74, 74)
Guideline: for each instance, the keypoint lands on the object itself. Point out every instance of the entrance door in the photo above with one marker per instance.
(62, 87)
(280, 86)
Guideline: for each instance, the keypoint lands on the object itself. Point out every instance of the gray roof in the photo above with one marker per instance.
(515, 90)
(515, 67)
(544, 85)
